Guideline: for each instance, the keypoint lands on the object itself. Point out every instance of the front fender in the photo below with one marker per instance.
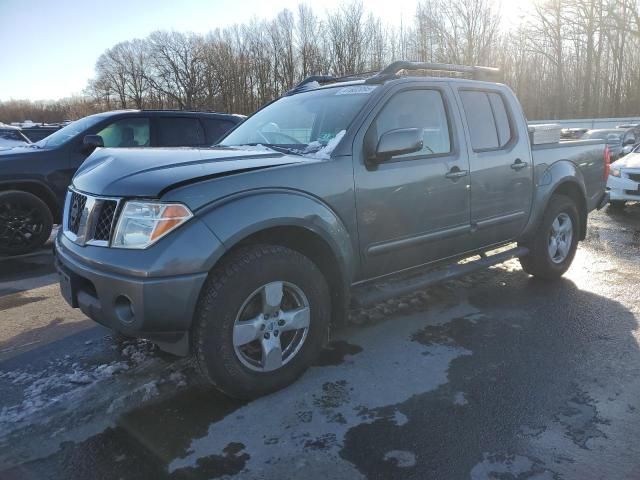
(560, 174)
(239, 216)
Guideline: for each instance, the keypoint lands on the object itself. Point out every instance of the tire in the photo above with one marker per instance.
(617, 204)
(25, 222)
(231, 334)
(540, 262)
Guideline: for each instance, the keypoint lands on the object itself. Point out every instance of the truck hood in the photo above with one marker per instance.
(631, 160)
(149, 172)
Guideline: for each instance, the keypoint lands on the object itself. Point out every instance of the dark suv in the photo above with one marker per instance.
(34, 178)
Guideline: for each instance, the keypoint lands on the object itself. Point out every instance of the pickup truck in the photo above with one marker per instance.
(345, 191)
(34, 176)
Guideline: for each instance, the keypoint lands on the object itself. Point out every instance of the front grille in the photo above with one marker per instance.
(105, 220)
(634, 176)
(88, 219)
(76, 207)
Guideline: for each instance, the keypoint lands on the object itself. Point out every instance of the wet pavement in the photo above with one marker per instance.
(494, 376)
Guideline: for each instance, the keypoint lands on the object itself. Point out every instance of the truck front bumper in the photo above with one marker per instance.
(137, 304)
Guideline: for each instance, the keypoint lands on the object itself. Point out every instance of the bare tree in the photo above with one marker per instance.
(567, 58)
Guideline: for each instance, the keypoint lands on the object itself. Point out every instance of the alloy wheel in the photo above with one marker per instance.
(560, 238)
(271, 326)
(20, 226)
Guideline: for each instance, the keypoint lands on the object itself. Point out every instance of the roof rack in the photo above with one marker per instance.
(391, 72)
(311, 82)
(316, 80)
(477, 73)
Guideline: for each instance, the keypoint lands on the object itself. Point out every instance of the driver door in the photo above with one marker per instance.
(412, 209)
(128, 132)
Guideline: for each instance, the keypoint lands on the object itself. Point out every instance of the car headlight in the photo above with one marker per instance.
(615, 172)
(141, 224)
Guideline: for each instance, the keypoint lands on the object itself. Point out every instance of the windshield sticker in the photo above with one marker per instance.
(356, 90)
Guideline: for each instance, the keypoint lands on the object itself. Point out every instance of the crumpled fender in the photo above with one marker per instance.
(241, 215)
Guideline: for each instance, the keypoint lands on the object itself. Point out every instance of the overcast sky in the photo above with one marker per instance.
(49, 47)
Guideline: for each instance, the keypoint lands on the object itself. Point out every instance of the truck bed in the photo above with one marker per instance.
(586, 155)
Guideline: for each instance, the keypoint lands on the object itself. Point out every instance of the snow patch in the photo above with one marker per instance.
(64, 380)
(325, 151)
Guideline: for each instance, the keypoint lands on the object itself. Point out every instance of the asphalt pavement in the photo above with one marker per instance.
(493, 376)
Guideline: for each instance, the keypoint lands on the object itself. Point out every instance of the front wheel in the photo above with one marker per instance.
(554, 245)
(25, 222)
(261, 320)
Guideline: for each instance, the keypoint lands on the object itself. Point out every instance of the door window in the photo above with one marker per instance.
(179, 132)
(487, 118)
(417, 109)
(216, 129)
(130, 132)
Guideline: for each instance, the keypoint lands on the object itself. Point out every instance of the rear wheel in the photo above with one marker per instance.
(25, 222)
(261, 320)
(554, 245)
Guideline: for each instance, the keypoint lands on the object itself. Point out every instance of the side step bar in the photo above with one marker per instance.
(376, 292)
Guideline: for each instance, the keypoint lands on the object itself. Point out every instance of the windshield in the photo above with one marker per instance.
(305, 122)
(61, 136)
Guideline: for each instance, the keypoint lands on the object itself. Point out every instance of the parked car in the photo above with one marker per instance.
(573, 133)
(624, 179)
(341, 192)
(631, 126)
(619, 140)
(35, 133)
(34, 178)
(11, 137)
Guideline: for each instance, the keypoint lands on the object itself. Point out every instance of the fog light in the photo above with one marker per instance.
(124, 309)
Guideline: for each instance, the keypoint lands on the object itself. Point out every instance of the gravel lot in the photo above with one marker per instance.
(492, 376)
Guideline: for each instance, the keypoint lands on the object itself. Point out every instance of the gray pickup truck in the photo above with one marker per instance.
(345, 191)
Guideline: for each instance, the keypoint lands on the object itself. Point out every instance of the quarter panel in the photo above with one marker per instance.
(548, 180)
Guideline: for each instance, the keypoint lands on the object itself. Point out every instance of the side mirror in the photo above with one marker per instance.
(91, 142)
(627, 149)
(399, 142)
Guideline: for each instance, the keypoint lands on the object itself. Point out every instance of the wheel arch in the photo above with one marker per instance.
(293, 220)
(38, 189)
(561, 178)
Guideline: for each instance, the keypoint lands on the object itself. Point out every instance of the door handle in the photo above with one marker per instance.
(456, 173)
(518, 164)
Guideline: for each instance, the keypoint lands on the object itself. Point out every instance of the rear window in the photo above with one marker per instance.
(488, 119)
(179, 132)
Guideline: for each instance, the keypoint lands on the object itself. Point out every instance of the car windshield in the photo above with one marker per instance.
(63, 135)
(305, 122)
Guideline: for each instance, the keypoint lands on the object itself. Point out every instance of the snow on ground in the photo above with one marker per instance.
(77, 399)
(64, 382)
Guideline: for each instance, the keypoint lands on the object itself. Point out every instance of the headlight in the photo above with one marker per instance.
(615, 172)
(141, 224)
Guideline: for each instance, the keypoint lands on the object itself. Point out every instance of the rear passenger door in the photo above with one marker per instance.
(178, 132)
(500, 161)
